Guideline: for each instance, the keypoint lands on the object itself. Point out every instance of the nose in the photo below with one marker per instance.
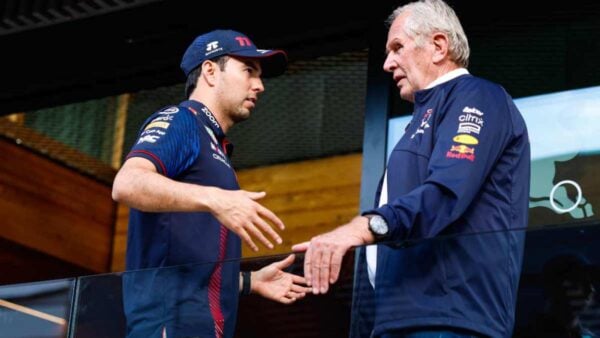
(389, 64)
(258, 86)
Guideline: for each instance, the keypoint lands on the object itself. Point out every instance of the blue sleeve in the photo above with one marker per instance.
(468, 141)
(170, 140)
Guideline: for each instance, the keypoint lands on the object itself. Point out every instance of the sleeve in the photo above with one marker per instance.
(468, 141)
(170, 140)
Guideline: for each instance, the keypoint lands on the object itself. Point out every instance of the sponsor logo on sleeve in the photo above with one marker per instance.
(170, 110)
(465, 139)
(471, 118)
(148, 138)
(472, 110)
(461, 152)
(164, 118)
(468, 128)
(153, 131)
(470, 121)
(158, 124)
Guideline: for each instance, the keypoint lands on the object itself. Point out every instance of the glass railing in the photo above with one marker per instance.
(556, 295)
(40, 309)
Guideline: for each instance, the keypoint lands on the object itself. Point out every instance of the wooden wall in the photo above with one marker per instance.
(55, 210)
(310, 197)
(21, 264)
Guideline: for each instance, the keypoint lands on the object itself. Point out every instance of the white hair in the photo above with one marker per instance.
(432, 16)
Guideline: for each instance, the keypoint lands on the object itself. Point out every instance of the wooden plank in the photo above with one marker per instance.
(54, 209)
(312, 200)
(119, 129)
(320, 174)
(120, 238)
(310, 197)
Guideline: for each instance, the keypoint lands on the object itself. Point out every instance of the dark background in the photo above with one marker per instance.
(63, 51)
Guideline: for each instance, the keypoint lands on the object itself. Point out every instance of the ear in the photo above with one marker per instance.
(209, 70)
(440, 45)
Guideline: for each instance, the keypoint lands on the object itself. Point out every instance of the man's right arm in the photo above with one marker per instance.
(140, 186)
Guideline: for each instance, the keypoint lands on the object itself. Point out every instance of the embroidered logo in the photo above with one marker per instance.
(424, 123)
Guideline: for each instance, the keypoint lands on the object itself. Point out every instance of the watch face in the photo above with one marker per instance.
(378, 225)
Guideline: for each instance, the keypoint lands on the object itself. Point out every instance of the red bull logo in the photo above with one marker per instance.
(463, 149)
(461, 152)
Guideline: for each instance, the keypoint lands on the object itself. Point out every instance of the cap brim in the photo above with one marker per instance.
(273, 62)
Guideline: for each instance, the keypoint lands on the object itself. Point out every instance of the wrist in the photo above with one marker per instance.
(360, 229)
(254, 282)
(368, 235)
(246, 283)
(378, 227)
(206, 199)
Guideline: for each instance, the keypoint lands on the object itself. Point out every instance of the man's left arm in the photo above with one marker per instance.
(273, 283)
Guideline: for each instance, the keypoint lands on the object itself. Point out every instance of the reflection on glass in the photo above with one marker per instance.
(35, 310)
(569, 292)
(563, 129)
(556, 296)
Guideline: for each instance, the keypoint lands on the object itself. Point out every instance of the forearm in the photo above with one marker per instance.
(149, 191)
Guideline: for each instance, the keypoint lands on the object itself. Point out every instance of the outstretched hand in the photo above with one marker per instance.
(275, 284)
(324, 253)
(239, 212)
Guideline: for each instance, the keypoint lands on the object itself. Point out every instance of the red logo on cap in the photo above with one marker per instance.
(243, 41)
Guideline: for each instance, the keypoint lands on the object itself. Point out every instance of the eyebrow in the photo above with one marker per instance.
(251, 64)
(395, 41)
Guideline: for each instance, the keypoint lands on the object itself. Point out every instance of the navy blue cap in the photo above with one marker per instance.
(228, 42)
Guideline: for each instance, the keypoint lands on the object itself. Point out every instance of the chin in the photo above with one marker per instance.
(408, 97)
(241, 116)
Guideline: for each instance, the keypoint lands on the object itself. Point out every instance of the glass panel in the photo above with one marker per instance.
(98, 308)
(313, 316)
(35, 310)
(178, 302)
(559, 282)
(446, 276)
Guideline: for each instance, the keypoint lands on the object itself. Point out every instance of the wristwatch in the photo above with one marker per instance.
(378, 226)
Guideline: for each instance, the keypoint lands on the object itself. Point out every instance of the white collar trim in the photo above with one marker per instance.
(447, 77)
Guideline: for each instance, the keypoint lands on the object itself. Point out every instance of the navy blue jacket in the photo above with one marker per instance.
(461, 168)
(190, 295)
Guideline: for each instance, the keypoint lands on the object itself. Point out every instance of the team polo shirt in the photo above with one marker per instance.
(197, 294)
(461, 168)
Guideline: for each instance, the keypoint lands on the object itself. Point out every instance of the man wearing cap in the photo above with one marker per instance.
(187, 210)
